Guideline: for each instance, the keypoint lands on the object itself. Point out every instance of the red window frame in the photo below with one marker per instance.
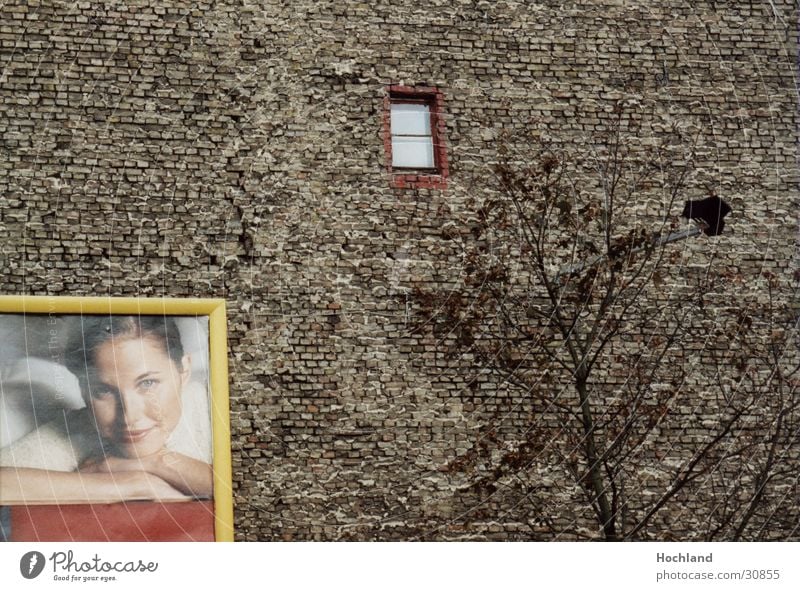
(423, 178)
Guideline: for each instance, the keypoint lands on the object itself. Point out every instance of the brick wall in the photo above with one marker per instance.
(236, 150)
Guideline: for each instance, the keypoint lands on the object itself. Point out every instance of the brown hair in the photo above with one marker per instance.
(92, 332)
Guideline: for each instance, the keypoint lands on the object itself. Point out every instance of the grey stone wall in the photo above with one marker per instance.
(235, 150)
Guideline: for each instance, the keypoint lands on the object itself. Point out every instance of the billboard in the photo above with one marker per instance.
(114, 420)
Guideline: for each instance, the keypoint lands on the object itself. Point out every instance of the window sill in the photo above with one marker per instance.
(418, 180)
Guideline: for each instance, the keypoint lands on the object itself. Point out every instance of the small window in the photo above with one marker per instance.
(414, 134)
(412, 139)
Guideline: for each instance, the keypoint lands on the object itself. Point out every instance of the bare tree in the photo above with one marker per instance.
(758, 364)
(570, 295)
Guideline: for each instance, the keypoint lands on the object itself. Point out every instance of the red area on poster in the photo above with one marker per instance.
(191, 521)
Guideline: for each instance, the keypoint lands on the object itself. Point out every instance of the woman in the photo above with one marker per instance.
(145, 431)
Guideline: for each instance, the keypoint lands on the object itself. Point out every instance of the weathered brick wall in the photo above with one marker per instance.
(235, 149)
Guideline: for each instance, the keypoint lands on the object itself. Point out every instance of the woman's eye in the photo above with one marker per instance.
(102, 394)
(147, 384)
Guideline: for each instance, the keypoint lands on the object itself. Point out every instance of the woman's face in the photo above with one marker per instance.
(136, 394)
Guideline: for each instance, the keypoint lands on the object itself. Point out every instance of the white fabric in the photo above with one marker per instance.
(192, 434)
(33, 388)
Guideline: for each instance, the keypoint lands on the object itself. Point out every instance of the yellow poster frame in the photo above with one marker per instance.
(215, 309)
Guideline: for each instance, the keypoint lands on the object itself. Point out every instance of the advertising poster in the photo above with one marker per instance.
(108, 423)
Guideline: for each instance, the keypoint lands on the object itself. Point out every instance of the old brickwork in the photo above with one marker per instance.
(235, 149)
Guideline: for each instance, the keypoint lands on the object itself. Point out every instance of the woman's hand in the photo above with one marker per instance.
(136, 475)
(183, 474)
(188, 475)
(145, 486)
(114, 464)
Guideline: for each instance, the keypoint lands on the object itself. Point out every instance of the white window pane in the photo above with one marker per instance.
(411, 119)
(412, 152)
